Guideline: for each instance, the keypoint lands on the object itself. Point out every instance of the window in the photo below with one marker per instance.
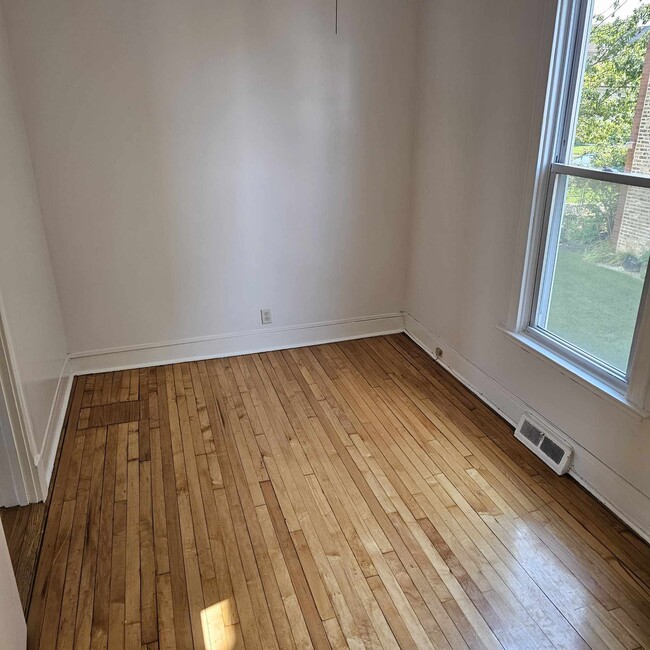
(587, 288)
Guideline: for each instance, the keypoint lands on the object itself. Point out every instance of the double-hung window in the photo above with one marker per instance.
(587, 276)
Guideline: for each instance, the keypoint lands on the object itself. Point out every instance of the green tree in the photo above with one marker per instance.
(610, 91)
(611, 86)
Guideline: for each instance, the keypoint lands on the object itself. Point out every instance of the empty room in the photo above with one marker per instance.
(324, 324)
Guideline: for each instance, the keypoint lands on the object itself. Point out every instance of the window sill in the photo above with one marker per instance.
(576, 373)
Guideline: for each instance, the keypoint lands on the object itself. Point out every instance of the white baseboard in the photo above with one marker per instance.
(225, 345)
(627, 502)
(44, 461)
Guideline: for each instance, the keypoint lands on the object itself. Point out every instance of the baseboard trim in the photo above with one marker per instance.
(44, 461)
(627, 502)
(233, 344)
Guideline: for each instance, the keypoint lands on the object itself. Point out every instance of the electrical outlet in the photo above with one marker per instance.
(267, 318)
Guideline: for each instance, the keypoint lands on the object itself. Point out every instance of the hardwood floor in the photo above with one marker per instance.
(23, 528)
(345, 495)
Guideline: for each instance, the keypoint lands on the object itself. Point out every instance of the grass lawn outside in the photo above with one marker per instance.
(594, 308)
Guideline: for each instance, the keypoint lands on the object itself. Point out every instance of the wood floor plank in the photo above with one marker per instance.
(23, 528)
(54, 595)
(247, 615)
(66, 633)
(189, 450)
(351, 495)
(102, 599)
(166, 627)
(292, 606)
(240, 500)
(83, 626)
(148, 613)
(180, 604)
(46, 555)
(215, 533)
(133, 560)
(305, 597)
(161, 549)
(244, 502)
(190, 552)
(115, 638)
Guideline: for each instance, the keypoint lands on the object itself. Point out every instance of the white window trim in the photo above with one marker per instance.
(552, 104)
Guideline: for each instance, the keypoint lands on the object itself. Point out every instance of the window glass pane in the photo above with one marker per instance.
(595, 267)
(613, 125)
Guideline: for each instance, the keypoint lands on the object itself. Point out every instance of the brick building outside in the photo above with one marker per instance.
(631, 232)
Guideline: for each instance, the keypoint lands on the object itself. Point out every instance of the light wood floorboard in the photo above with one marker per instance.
(345, 495)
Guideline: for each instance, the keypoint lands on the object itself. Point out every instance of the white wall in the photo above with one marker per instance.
(12, 621)
(480, 79)
(197, 161)
(29, 306)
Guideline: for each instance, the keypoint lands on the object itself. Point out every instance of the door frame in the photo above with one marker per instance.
(18, 457)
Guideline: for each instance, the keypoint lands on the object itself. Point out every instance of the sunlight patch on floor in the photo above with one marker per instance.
(215, 635)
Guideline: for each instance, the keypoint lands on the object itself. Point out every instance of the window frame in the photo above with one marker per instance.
(560, 101)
